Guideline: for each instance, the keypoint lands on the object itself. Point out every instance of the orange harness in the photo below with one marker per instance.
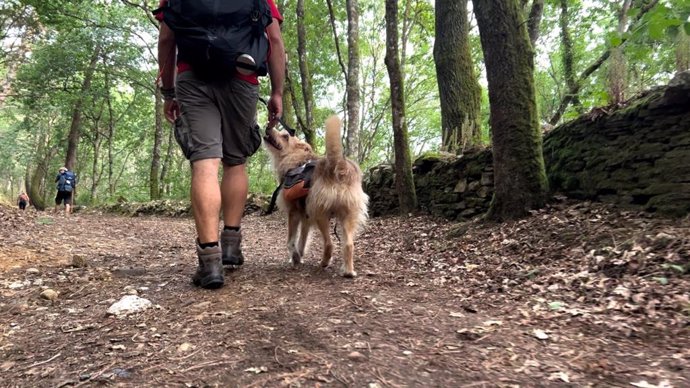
(297, 182)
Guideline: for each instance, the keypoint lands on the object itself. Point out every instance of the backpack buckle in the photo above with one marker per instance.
(255, 15)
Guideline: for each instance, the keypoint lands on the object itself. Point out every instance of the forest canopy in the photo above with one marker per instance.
(90, 65)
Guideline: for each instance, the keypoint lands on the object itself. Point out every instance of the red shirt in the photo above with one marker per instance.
(252, 78)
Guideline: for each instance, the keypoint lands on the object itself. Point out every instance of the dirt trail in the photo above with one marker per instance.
(579, 295)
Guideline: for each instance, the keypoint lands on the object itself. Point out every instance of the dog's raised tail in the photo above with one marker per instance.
(334, 148)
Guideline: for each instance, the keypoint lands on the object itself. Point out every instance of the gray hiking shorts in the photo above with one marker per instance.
(217, 120)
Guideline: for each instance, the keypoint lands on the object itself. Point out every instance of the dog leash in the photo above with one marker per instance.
(292, 132)
(288, 128)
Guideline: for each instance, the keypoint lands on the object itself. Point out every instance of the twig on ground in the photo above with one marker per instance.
(339, 379)
(275, 356)
(205, 364)
(185, 357)
(44, 362)
(97, 374)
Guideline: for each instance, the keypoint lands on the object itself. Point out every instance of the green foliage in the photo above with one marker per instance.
(48, 46)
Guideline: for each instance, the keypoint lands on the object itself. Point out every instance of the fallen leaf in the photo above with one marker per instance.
(257, 370)
(540, 334)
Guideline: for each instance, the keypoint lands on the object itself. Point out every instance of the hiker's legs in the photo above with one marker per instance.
(206, 204)
(206, 199)
(58, 202)
(234, 193)
(68, 202)
(199, 133)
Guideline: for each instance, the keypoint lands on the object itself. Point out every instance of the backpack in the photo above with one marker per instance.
(218, 36)
(66, 181)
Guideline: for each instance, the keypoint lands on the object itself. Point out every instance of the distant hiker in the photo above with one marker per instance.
(220, 49)
(66, 182)
(23, 200)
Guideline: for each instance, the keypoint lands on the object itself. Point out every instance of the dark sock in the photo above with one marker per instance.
(235, 228)
(208, 244)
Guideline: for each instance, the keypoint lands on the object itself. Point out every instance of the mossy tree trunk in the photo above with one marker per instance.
(459, 90)
(352, 81)
(519, 176)
(305, 76)
(534, 20)
(682, 50)
(40, 177)
(567, 54)
(154, 173)
(75, 126)
(404, 183)
(617, 66)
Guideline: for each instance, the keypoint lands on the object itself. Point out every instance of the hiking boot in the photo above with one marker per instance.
(210, 271)
(231, 241)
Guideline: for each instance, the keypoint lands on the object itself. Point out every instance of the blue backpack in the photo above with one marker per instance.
(66, 181)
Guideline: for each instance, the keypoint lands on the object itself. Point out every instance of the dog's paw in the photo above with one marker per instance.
(348, 274)
(295, 258)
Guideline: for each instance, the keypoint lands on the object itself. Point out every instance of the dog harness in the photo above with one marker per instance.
(297, 181)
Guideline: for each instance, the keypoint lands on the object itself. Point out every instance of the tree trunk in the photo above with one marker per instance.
(404, 183)
(567, 52)
(352, 83)
(296, 106)
(617, 66)
(519, 176)
(166, 162)
(682, 51)
(458, 88)
(75, 126)
(307, 93)
(94, 165)
(35, 190)
(154, 174)
(36, 187)
(568, 97)
(288, 108)
(331, 15)
(534, 20)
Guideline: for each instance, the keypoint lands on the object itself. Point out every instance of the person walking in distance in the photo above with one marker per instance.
(23, 201)
(211, 54)
(66, 182)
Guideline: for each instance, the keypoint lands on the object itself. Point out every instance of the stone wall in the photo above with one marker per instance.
(634, 156)
(447, 186)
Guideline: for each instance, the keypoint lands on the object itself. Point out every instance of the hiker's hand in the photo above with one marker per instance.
(275, 108)
(172, 110)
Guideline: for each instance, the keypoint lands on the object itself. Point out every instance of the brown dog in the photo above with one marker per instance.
(336, 192)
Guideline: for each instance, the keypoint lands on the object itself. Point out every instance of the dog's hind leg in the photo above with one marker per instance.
(294, 221)
(324, 225)
(349, 229)
(305, 228)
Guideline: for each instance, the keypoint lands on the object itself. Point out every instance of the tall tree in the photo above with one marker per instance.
(682, 50)
(75, 126)
(404, 182)
(307, 92)
(154, 173)
(352, 84)
(534, 20)
(459, 90)
(594, 66)
(617, 66)
(567, 52)
(519, 175)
